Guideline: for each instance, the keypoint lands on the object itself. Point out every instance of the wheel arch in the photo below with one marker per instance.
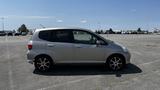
(44, 55)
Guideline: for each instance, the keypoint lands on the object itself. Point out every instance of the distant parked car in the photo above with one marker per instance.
(2, 33)
(10, 34)
(17, 34)
(24, 33)
(74, 45)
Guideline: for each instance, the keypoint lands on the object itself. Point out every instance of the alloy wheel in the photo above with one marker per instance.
(43, 64)
(115, 63)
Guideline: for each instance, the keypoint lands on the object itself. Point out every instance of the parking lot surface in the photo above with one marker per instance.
(142, 74)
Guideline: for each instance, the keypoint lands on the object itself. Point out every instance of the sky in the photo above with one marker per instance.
(90, 14)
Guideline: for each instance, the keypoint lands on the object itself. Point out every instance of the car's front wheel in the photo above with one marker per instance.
(115, 62)
(43, 63)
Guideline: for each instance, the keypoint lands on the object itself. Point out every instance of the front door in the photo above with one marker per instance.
(85, 48)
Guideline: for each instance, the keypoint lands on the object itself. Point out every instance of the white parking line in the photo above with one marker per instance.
(69, 82)
(10, 73)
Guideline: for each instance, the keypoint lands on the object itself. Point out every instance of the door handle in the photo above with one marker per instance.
(78, 46)
(50, 45)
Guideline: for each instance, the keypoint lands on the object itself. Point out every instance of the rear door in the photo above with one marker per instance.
(60, 45)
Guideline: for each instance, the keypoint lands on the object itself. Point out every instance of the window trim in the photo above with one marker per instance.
(71, 36)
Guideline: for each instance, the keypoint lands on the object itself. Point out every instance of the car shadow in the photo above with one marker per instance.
(88, 69)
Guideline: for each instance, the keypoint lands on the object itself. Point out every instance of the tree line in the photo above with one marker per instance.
(111, 31)
(24, 29)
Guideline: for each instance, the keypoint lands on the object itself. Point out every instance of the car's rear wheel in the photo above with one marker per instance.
(115, 62)
(43, 63)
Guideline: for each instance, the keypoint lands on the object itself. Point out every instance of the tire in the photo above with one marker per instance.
(43, 63)
(115, 62)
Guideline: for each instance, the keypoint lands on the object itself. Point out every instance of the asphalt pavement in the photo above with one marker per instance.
(142, 74)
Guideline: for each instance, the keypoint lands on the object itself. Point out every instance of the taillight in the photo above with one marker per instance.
(29, 46)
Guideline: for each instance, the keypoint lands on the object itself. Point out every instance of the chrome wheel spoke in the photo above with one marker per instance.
(45, 59)
(47, 62)
(120, 63)
(40, 67)
(115, 58)
(118, 60)
(46, 66)
(39, 63)
(40, 60)
(112, 61)
(43, 67)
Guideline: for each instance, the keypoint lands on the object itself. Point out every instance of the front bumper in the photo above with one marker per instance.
(128, 57)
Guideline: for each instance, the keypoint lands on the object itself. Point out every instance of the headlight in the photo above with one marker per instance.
(125, 49)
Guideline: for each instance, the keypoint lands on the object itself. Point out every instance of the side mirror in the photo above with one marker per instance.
(99, 42)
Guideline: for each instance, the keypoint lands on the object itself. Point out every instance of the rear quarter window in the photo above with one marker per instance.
(63, 36)
(56, 36)
(45, 35)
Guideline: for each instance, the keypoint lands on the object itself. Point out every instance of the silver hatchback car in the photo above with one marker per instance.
(51, 46)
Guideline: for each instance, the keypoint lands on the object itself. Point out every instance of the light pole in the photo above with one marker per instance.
(2, 23)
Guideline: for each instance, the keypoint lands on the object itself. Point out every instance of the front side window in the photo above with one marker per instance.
(84, 37)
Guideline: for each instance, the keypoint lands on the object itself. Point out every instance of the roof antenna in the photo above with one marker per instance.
(42, 26)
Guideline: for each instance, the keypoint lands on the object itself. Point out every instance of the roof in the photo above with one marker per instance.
(62, 28)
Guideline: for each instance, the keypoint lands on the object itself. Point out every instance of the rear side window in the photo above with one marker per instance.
(45, 35)
(63, 36)
(56, 35)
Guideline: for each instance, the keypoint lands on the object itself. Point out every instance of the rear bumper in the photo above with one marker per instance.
(30, 57)
(30, 61)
